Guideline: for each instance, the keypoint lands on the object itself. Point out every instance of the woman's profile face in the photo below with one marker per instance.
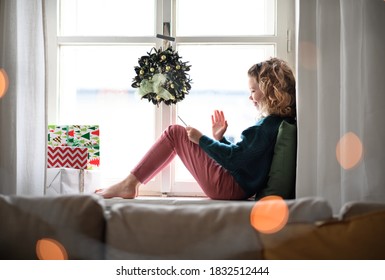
(255, 93)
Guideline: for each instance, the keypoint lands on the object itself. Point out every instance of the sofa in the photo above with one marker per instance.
(92, 228)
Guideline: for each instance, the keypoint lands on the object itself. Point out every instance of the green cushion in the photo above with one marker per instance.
(282, 173)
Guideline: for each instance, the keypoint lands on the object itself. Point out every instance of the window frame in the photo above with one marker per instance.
(164, 183)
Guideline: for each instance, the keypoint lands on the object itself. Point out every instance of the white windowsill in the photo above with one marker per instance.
(167, 200)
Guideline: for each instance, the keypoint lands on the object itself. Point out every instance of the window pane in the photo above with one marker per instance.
(95, 88)
(220, 81)
(107, 18)
(225, 17)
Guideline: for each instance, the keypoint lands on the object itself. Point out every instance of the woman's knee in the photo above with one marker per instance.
(176, 129)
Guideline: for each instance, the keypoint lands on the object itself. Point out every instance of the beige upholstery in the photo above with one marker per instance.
(77, 222)
(197, 230)
(89, 227)
(356, 238)
(355, 208)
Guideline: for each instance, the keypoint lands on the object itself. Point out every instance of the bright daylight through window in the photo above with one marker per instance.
(98, 43)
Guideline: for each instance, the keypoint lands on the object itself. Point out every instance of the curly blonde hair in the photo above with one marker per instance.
(277, 83)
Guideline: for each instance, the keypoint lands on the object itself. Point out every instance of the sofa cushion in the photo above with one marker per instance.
(309, 210)
(359, 237)
(76, 221)
(354, 208)
(282, 175)
(212, 231)
(194, 230)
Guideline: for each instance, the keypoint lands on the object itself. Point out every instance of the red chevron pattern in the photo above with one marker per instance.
(68, 157)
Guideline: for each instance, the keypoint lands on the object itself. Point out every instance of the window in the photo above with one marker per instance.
(94, 45)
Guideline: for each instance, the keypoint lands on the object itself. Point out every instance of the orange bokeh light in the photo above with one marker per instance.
(50, 249)
(270, 214)
(3, 82)
(308, 55)
(349, 150)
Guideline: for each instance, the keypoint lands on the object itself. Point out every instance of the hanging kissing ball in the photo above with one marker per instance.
(162, 77)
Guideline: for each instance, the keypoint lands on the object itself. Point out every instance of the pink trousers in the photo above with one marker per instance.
(215, 181)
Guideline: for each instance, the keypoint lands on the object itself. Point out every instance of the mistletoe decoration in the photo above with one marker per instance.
(162, 77)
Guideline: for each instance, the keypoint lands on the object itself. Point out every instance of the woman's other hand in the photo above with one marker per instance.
(193, 134)
(219, 124)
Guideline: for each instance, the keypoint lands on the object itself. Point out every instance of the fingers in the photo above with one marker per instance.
(193, 134)
(190, 131)
(218, 116)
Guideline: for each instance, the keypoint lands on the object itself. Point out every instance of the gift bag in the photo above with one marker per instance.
(73, 158)
(67, 157)
(71, 181)
(83, 136)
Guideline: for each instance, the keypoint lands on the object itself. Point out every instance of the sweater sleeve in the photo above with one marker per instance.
(225, 141)
(231, 156)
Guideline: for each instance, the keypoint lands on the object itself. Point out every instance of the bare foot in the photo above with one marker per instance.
(128, 188)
